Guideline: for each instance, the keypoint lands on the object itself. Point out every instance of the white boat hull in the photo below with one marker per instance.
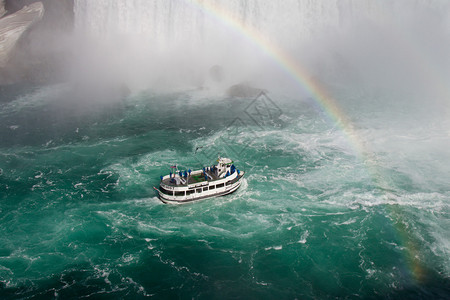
(222, 191)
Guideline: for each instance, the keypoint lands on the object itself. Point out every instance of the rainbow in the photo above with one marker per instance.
(286, 63)
(329, 106)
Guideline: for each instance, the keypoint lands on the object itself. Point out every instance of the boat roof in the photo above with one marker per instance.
(224, 160)
(192, 179)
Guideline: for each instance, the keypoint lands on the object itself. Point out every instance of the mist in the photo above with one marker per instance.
(377, 47)
(345, 202)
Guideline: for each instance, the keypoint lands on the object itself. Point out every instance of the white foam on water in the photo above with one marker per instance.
(304, 237)
(348, 222)
(280, 247)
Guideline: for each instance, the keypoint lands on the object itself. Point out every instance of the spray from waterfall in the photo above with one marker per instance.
(172, 44)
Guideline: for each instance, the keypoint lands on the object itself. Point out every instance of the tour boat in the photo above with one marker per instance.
(186, 186)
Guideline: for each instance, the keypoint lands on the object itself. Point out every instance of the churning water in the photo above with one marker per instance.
(322, 213)
(79, 216)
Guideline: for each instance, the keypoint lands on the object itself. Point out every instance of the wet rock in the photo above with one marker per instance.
(243, 90)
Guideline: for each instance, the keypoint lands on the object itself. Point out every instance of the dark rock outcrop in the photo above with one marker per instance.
(243, 90)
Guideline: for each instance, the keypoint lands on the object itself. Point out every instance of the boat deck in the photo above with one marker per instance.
(191, 179)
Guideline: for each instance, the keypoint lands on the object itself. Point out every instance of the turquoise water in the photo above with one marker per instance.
(314, 219)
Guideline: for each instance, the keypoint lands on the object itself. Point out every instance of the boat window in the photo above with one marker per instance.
(179, 193)
(229, 183)
(199, 190)
(220, 185)
(211, 187)
(164, 191)
(189, 192)
(205, 189)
